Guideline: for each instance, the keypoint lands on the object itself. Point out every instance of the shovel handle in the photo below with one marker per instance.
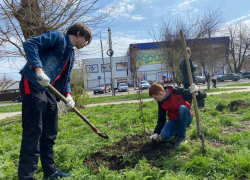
(61, 97)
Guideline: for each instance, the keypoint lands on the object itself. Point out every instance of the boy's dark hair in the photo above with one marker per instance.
(83, 29)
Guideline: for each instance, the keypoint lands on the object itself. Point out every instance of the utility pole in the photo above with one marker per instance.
(103, 65)
(110, 53)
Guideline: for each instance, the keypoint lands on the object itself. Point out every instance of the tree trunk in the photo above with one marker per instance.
(29, 18)
(32, 24)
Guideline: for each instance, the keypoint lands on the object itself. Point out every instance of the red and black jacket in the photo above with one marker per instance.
(175, 98)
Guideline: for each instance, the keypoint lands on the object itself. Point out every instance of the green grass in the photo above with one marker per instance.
(216, 90)
(227, 138)
(11, 108)
(240, 84)
(4, 102)
(107, 99)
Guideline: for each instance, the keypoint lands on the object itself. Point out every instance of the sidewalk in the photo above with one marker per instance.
(237, 89)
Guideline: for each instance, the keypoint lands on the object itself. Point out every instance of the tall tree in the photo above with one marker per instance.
(5, 82)
(22, 19)
(239, 46)
(197, 27)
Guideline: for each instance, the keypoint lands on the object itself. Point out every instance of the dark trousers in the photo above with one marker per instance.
(214, 81)
(40, 126)
(186, 86)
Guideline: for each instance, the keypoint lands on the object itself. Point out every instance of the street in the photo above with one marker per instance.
(200, 86)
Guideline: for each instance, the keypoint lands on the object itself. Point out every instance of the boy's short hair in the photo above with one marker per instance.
(155, 88)
(188, 50)
(83, 29)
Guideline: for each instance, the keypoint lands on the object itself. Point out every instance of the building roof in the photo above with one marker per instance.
(156, 45)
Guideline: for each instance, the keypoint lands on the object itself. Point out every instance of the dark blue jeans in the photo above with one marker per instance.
(178, 126)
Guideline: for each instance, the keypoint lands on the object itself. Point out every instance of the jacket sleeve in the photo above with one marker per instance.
(201, 95)
(161, 119)
(188, 96)
(34, 45)
(192, 65)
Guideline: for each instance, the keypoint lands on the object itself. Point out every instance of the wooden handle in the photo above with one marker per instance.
(61, 97)
(193, 94)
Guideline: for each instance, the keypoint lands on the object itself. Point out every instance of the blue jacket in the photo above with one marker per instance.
(50, 51)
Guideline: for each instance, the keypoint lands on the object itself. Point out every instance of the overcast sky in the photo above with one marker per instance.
(134, 19)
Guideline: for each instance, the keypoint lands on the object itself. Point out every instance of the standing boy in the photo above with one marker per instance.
(184, 73)
(177, 102)
(50, 61)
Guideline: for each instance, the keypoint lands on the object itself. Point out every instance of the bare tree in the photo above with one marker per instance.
(5, 82)
(135, 64)
(201, 26)
(22, 19)
(239, 46)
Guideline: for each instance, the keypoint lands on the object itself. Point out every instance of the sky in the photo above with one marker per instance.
(134, 20)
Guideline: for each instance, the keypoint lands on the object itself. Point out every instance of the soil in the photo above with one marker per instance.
(233, 106)
(128, 151)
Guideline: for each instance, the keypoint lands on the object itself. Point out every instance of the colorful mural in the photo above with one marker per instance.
(150, 58)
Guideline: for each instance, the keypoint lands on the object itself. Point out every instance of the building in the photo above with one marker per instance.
(96, 69)
(150, 57)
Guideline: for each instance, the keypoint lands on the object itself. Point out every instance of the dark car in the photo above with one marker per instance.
(245, 75)
(231, 76)
(17, 99)
(200, 79)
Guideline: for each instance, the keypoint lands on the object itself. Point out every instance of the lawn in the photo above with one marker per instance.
(106, 99)
(128, 154)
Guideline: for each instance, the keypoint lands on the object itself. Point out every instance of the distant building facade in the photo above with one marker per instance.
(150, 57)
(96, 68)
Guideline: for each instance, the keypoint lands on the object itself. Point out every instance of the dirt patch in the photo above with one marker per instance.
(128, 151)
(233, 106)
(231, 130)
(217, 144)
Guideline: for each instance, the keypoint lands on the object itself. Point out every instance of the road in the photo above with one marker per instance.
(200, 86)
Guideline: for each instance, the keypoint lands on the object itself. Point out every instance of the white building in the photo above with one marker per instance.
(95, 68)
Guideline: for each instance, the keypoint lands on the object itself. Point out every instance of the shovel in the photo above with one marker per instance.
(61, 97)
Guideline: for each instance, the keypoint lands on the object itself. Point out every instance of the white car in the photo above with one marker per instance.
(144, 85)
(122, 87)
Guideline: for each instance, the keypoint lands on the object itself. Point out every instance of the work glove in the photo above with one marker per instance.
(71, 102)
(193, 88)
(154, 136)
(43, 79)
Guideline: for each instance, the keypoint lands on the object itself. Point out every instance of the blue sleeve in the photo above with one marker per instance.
(33, 46)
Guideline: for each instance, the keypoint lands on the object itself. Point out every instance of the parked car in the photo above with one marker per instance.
(231, 76)
(201, 79)
(144, 85)
(245, 75)
(101, 88)
(17, 99)
(122, 87)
